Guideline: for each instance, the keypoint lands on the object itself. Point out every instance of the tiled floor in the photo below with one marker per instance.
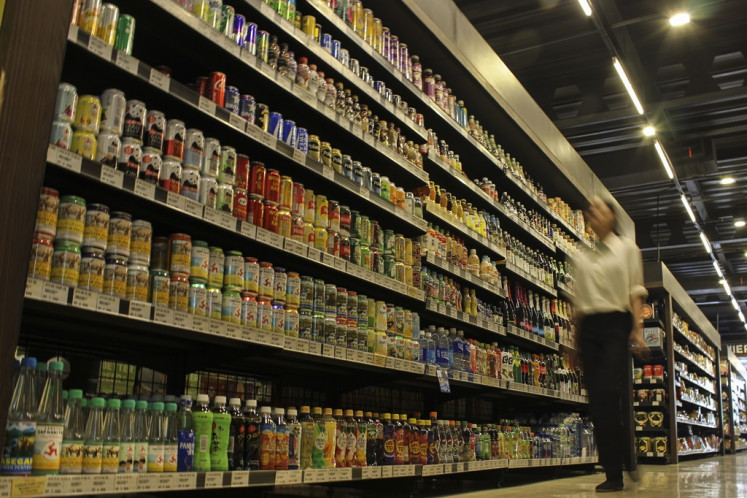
(709, 477)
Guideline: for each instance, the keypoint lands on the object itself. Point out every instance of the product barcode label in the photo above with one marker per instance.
(175, 200)
(64, 158)
(193, 207)
(111, 176)
(159, 80)
(129, 64)
(206, 105)
(145, 189)
(268, 140)
(237, 122)
(84, 299)
(56, 293)
(299, 156)
(100, 47)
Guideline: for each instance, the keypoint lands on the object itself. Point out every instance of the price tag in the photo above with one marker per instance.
(201, 324)
(341, 264)
(111, 176)
(129, 64)
(327, 259)
(386, 472)
(102, 484)
(328, 173)
(233, 331)
(72, 33)
(291, 343)
(371, 473)
(145, 189)
(227, 221)
(379, 360)
(441, 308)
(269, 238)
(239, 479)
(183, 320)
(403, 470)
(399, 364)
(212, 215)
(193, 207)
(64, 158)
(287, 477)
(213, 479)
(186, 480)
(85, 299)
(263, 336)
(206, 105)
(26, 486)
(314, 254)
(34, 288)
(315, 348)
(125, 483)
(390, 362)
(277, 339)
(269, 140)
(340, 353)
(159, 80)
(175, 200)
(328, 351)
(140, 310)
(248, 230)
(80, 485)
(253, 131)
(56, 293)
(295, 247)
(164, 316)
(100, 47)
(299, 156)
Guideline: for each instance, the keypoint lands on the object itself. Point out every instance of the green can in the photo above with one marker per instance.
(355, 250)
(125, 34)
(263, 45)
(389, 238)
(389, 269)
(197, 298)
(159, 288)
(305, 324)
(318, 295)
(281, 7)
(317, 326)
(365, 256)
(216, 264)
(365, 230)
(225, 25)
(231, 306)
(355, 224)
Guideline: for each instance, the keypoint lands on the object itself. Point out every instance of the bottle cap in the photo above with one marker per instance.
(128, 404)
(251, 403)
(64, 394)
(171, 407)
(186, 400)
(75, 394)
(292, 412)
(338, 412)
(29, 361)
(327, 411)
(413, 421)
(113, 403)
(97, 403)
(358, 413)
(348, 413)
(141, 404)
(265, 410)
(41, 366)
(157, 406)
(83, 402)
(234, 402)
(56, 366)
(395, 416)
(304, 409)
(386, 416)
(317, 410)
(203, 398)
(369, 414)
(280, 411)
(220, 400)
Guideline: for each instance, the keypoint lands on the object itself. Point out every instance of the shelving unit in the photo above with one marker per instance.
(733, 402)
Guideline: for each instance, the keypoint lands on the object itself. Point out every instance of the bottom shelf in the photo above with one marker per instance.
(696, 452)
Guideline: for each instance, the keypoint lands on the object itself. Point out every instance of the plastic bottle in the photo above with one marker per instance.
(237, 435)
(424, 430)
(371, 456)
(202, 419)
(40, 380)
(361, 440)
(406, 434)
(413, 442)
(379, 440)
(127, 447)
(307, 435)
(71, 455)
(50, 424)
(313, 81)
(282, 437)
(330, 431)
(444, 443)
(93, 445)
(294, 440)
(352, 438)
(21, 425)
(171, 444)
(442, 349)
(389, 439)
(156, 437)
(303, 72)
(251, 452)
(110, 459)
(267, 437)
(219, 437)
(141, 437)
(186, 434)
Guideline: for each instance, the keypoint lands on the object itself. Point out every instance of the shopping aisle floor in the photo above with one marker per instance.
(712, 477)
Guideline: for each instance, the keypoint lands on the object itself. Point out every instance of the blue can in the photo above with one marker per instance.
(376, 183)
(326, 42)
(335, 49)
(379, 86)
(250, 42)
(239, 30)
(302, 140)
(275, 126)
(289, 132)
(247, 107)
(233, 97)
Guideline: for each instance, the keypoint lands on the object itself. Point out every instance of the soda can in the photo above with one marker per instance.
(318, 33)
(355, 66)
(284, 222)
(333, 210)
(379, 86)
(224, 198)
(65, 267)
(309, 205)
(320, 238)
(292, 321)
(46, 213)
(307, 24)
(228, 160)
(275, 125)
(84, 144)
(125, 34)
(248, 310)
(347, 167)
(141, 238)
(336, 160)
(298, 207)
(271, 217)
(211, 158)
(302, 140)
(155, 127)
(355, 223)
(266, 287)
(321, 213)
(272, 186)
(66, 102)
(137, 284)
(232, 99)
(202, 86)
(315, 147)
(358, 174)
(289, 132)
(91, 271)
(264, 314)
(216, 264)
(108, 148)
(195, 148)
(255, 212)
(286, 192)
(119, 234)
(190, 186)
(134, 120)
(251, 38)
(214, 303)
(239, 30)
(345, 247)
(247, 108)
(367, 177)
(333, 243)
(170, 177)
(179, 293)
(262, 116)
(345, 220)
(251, 275)
(209, 191)
(388, 95)
(88, 114)
(377, 261)
(335, 49)
(197, 303)
(262, 46)
(227, 17)
(325, 151)
(355, 250)
(326, 42)
(256, 182)
(365, 260)
(385, 192)
(174, 138)
(90, 13)
(376, 183)
(217, 88)
(96, 230)
(344, 56)
(158, 294)
(309, 234)
(62, 134)
(280, 284)
(113, 107)
(296, 228)
(130, 157)
(306, 292)
(233, 271)
(240, 203)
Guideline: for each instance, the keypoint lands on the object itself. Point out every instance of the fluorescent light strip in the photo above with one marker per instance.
(735, 304)
(688, 208)
(741, 316)
(664, 159)
(586, 7)
(726, 287)
(718, 269)
(706, 244)
(628, 86)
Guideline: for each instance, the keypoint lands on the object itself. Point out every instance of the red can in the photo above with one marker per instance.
(345, 248)
(334, 215)
(240, 203)
(285, 221)
(647, 372)
(297, 228)
(298, 207)
(201, 86)
(242, 172)
(272, 186)
(217, 88)
(286, 192)
(659, 372)
(255, 212)
(257, 179)
(271, 217)
(333, 243)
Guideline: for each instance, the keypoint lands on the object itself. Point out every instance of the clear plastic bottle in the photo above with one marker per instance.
(314, 81)
(71, 455)
(94, 438)
(141, 437)
(361, 438)
(237, 435)
(21, 425)
(251, 454)
(294, 440)
(273, 52)
(330, 431)
(282, 436)
(40, 379)
(292, 66)
(219, 437)
(110, 459)
(50, 424)
(267, 437)
(283, 63)
(156, 437)
(307, 435)
(171, 443)
(186, 436)
(202, 419)
(303, 72)
(442, 349)
(127, 446)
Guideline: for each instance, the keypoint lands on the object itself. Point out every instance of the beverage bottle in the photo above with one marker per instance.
(424, 431)
(389, 439)
(219, 437)
(319, 439)
(202, 420)
(111, 430)
(294, 440)
(406, 433)
(352, 438)
(341, 438)
(424, 348)
(414, 441)
(21, 426)
(236, 436)
(433, 438)
(157, 437)
(330, 445)
(453, 353)
(320, 84)
(371, 455)
(399, 443)
(379, 440)
(448, 443)
(267, 439)
(71, 455)
(94, 437)
(330, 98)
(458, 441)
(283, 64)
(40, 380)
(50, 424)
(141, 437)
(252, 435)
(185, 435)
(442, 349)
(127, 443)
(417, 72)
(282, 436)
(307, 435)
(303, 72)
(171, 439)
(273, 53)
(361, 440)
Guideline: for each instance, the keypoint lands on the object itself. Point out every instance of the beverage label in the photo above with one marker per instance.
(110, 459)
(319, 441)
(203, 423)
(360, 445)
(92, 458)
(141, 457)
(282, 440)
(219, 441)
(294, 447)
(18, 449)
(330, 428)
(267, 443)
(307, 444)
(126, 457)
(389, 445)
(185, 451)
(252, 446)
(47, 446)
(71, 457)
(352, 439)
(341, 446)
(170, 457)
(155, 458)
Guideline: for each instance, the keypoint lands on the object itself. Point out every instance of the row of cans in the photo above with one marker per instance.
(104, 21)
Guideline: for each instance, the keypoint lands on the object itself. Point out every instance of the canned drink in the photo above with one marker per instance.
(71, 220)
(307, 24)
(355, 66)
(248, 310)
(306, 293)
(211, 158)
(285, 221)
(113, 108)
(134, 120)
(150, 167)
(266, 280)
(275, 125)
(345, 247)
(356, 172)
(195, 148)
(232, 100)
(345, 217)
(159, 288)
(341, 302)
(130, 157)
(271, 217)
(297, 205)
(330, 299)
(292, 322)
(309, 205)
(247, 108)
(155, 129)
(179, 293)
(262, 116)
(91, 272)
(228, 163)
(336, 160)
(96, 231)
(119, 236)
(62, 134)
(231, 307)
(319, 295)
(199, 260)
(197, 303)
(241, 179)
(326, 154)
(344, 57)
(385, 188)
(285, 199)
(317, 327)
(376, 235)
(380, 87)
(174, 138)
(209, 192)
(257, 178)
(250, 41)
(160, 253)
(40, 263)
(288, 132)
(226, 19)
(214, 303)
(170, 177)
(264, 314)
(88, 114)
(138, 281)
(65, 265)
(321, 213)
(190, 186)
(125, 34)
(333, 210)
(326, 42)
(292, 289)
(377, 262)
(216, 263)
(302, 140)
(179, 254)
(240, 203)
(355, 251)
(239, 29)
(355, 224)
(272, 186)
(365, 260)
(224, 198)
(399, 247)
(66, 103)
(109, 149)
(296, 229)
(320, 239)
(263, 46)
(315, 147)
(46, 212)
(217, 88)
(334, 49)
(280, 284)
(141, 236)
(255, 212)
(309, 234)
(115, 277)
(84, 144)
(251, 275)
(376, 183)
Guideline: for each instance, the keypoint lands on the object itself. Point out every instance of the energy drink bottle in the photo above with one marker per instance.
(236, 437)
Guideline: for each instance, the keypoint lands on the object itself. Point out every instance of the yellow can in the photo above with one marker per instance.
(408, 274)
(89, 16)
(307, 25)
(381, 316)
(376, 34)
(137, 283)
(336, 160)
(40, 264)
(321, 213)
(115, 277)
(88, 114)
(91, 275)
(84, 144)
(65, 265)
(368, 26)
(325, 151)
(159, 288)
(107, 28)
(315, 147)
(320, 238)
(356, 16)
(284, 223)
(179, 293)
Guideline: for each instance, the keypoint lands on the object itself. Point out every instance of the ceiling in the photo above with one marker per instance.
(691, 81)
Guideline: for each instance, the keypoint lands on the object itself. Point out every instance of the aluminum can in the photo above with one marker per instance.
(40, 263)
(194, 148)
(62, 134)
(266, 280)
(262, 46)
(278, 317)
(325, 152)
(248, 310)
(333, 210)
(302, 140)
(247, 108)
(108, 148)
(306, 293)
(255, 212)
(296, 229)
(211, 158)
(115, 277)
(376, 183)
(355, 251)
(150, 167)
(201, 86)
(257, 178)
(326, 42)
(170, 176)
(90, 14)
(197, 303)
(88, 114)
(209, 192)
(233, 271)
(91, 271)
(141, 236)
(113, 107)
(336, 160)
(275, 125)
(159, 254)
(344, 57)
(226, 23)
(320, 239)
(321, 214)
(214, 303)
(125, 34)
(315, 148)
(272, 186)
(66, 103)
(309, 234)
(134, 120)
(46, 212)
(224, 198)
(271, 217)
(264, 314)
(309, 205)
(217, 88)
(280, 284)
(292, 320)
(179, 293)
(239, 30)
(285, 221)
(130, 157)
(190, 186)
(241, 179)
(179, 254)
(216, 264)
(251, 275)
(96, 231)
(251, 38)
(65, 265)
(307, 24)
(119, 235)
(84, 144)
(345, 247)
(71, 220)
(138, 281)
(228, 160)
(174, 138)
(286, 192)
(289, 132)
(159, 288)
(232, 99)
(240, 203)
(334, 49)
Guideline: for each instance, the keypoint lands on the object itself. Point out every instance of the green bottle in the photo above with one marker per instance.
(220, 435)
(202, 418)
(319, 441)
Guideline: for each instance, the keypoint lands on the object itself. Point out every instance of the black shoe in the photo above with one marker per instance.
(610, 486)
(634, 475)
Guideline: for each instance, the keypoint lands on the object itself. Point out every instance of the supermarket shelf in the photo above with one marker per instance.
(526, 277)
(696, 424)
(562, 250)
(145, 79)
(565, 289)
(652, 454)
(446, 220)
(681, 334)
(154, 203)
(697, 384)
(657, 430)
(692, 362)
(697, 403)
(696, 452)
(647, 383)
(440, 310)
(455, 271)
(650, 404)
(514, 331)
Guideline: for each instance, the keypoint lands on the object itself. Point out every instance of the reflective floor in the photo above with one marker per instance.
(707, 477)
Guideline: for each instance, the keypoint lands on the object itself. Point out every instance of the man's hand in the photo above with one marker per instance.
(638, 345)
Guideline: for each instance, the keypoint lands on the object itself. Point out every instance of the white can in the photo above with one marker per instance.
(209, 191)
(191, 183)
(113, 108)
(108, 148)
(170, 176)
(211, 160)
(130, 157)
(141, 242)
(150, 168)
(194, 148)
(134, 120)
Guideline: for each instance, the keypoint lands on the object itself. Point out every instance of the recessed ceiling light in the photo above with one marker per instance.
(728, 180)
(740, 223)
(649, 131)
(679, 19)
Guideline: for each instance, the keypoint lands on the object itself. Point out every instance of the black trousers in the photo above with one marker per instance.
(604, 352)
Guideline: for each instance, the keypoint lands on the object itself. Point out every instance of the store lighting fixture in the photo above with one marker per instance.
(740, 223)
(649, 131)
(679, 19)
(627, 85)
(728, 180)
(585, 7)
(741, 316)
(664, 159)
(706, 244)
(735, 304)
(688, 208)
(718, 269)
(727, 288)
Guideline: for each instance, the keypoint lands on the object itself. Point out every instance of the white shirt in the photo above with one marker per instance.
(609, 279)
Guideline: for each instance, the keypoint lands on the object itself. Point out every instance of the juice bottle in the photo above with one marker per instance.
(371, 456)
(330, 431)
(21, 427)
(71, 456)
(425, 434)
(434, 440)
(110, 459)
(251, 452)
(282, 436)
(236, 436)
(171, 442)
(406, 433)
(266, 439)
(219, 437)
(414, 441)
(294, 439)
(399, 443)
(307, 435)
(319, 439)
(50, 424)
(157, 438)
(127, 437)
(352, 438)
(202, 419)
(379, 440)
(341, 439)
(361, 435)
(141, 437)
(94, 438)
(389, 439)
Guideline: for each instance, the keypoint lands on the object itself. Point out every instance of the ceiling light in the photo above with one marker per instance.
(706, 244)
(741, 316)
(718, 270)
(728, 180)
(628, 86)
(688, 208)
(679, 19)
(586, 7)
(735, 304)
(740, 223)
(649, 131)
(721, 282)
(726, 287)
(664, 159)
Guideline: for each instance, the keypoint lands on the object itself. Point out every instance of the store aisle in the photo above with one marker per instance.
(712, 477)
